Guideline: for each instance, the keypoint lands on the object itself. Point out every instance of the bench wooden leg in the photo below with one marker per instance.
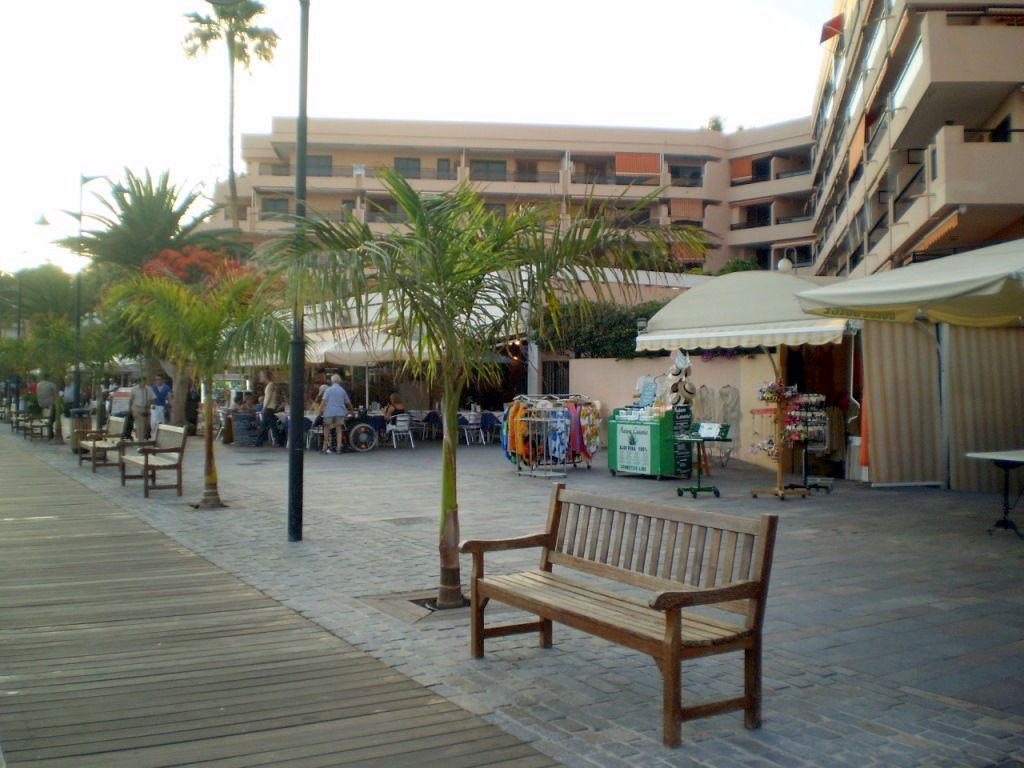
(179, 478)
(671, 701)
(545, 633)
(476, 628)
(752, 686)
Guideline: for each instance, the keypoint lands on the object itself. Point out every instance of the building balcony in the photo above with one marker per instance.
(744, 234)
(976, 172)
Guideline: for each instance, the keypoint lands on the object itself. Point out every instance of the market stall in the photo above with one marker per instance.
(746, 310)
(926, 411)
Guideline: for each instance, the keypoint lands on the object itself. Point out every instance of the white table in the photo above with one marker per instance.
(1005, 460)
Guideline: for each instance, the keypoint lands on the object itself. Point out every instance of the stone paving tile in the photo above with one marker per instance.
(889, 618)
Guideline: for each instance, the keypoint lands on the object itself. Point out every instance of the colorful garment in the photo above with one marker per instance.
(590, 421)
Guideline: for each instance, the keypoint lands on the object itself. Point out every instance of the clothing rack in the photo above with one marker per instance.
(543, 435)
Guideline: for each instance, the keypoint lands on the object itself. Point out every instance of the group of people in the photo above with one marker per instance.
(147, 407)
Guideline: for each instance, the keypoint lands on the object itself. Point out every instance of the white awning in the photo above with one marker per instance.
(792, 333)
(742, 309)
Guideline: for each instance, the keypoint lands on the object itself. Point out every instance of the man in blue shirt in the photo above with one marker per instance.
(336, 407)
(161, 392)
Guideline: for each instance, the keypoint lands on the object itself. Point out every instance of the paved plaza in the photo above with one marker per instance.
(895, 624)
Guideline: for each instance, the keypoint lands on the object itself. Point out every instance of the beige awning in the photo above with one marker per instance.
(742, 309)
(980, 288)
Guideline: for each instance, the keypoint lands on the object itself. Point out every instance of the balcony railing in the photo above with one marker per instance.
(879, 230)
(791, 174)
(905, 199)
(591, 179)
(688, 181)
(752, 180)
(793, 219)
(750, 224)
(430, 173)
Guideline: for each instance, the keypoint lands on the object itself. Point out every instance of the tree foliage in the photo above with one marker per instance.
(144, 216)
(206, 328)
(456, 282)
(600, 329)
(738, 265)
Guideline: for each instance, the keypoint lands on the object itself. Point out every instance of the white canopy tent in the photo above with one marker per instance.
(742, 309)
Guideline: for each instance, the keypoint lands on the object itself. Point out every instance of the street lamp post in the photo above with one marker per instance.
(77, 400)
(297, 348)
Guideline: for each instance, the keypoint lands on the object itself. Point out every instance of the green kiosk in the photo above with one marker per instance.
(640, 443)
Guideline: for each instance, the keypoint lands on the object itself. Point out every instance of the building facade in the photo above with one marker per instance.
(917, 130)
(751, 190)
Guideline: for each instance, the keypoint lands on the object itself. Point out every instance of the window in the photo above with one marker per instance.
(498, 209)
(914, 64)
(487, 170)
(444, 168)
(409, 167)
(686, 175)
(273, 208)
(854, 105)
(758, 215)
(318, 165)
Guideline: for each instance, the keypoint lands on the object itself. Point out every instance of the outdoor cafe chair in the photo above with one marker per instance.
(400, 428)
(472, 429)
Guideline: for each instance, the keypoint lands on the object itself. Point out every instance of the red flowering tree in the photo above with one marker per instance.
(193, 265)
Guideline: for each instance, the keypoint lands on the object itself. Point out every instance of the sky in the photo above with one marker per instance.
(92, 87)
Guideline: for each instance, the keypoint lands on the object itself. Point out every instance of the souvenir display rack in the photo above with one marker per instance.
(543, 435)
(781, 398)
(806, 425)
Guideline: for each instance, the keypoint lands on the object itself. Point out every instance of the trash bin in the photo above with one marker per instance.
(80, 419)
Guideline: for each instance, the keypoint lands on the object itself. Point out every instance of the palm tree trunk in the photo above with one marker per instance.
(449, 592)
(232, 187)
(211, 495)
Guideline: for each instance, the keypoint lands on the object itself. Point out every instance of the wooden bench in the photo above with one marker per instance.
(36, 427)
(680, 558)
(164, 452)
(98, 443)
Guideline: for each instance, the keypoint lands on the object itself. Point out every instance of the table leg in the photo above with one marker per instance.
(1005, 521)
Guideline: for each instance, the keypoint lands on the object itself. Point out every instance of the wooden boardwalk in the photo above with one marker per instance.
(118, 647)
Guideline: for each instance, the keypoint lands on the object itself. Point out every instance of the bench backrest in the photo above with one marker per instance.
(115, 426)
(660, 547)
(170, 437)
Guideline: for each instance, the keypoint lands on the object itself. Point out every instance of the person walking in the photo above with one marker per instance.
(268, 416)
(138, 410)
(336, 409)
(46, 396)
(161, 392)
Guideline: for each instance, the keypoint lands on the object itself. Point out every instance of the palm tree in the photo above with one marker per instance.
(232, 24)
(144, 216)
(452, 286)
(205, 328)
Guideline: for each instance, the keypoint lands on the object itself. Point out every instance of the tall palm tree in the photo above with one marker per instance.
(205, 328)
(143, 217)
(234, 25)
(452, 286)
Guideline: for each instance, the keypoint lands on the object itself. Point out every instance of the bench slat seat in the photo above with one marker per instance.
(604, 612)
(627, 551)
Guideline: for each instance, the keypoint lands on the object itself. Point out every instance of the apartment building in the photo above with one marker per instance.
(917, 129)
(751, 190)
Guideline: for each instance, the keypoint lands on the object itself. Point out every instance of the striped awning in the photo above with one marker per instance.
(792, 333)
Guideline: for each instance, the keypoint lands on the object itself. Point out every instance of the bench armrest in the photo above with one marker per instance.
(497, 545)
(741, 590)
(151, 449)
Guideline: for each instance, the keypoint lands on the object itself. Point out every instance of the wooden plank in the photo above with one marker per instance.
(121, 648)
